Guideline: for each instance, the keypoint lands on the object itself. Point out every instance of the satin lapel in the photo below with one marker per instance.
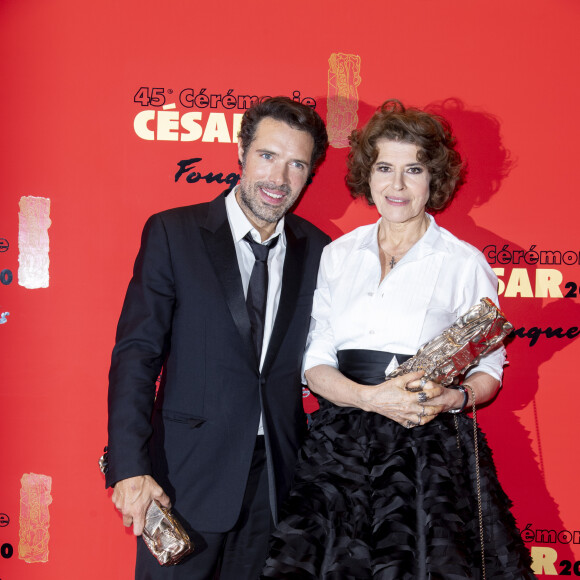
(217, 236)
(291, 282)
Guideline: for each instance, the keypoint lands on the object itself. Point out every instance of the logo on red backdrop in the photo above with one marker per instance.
(545, 558)
(6, 278)
(517, 282)
(526, 277)
(5, 274)
(165, 122)
(193, 173)
(6, 550)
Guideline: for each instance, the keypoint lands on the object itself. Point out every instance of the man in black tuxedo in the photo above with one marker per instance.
(219, 440)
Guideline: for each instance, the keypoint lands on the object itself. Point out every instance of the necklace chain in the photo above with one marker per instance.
(395, 258)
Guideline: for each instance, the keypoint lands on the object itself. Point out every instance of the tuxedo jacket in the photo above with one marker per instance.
(185, 314)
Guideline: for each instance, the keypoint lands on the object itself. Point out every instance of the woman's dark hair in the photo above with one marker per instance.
(430, 133)
(297, 115)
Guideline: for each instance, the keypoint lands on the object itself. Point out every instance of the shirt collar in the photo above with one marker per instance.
(240, 224)
(429, 243)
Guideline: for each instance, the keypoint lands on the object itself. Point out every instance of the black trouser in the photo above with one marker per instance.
(235, 555)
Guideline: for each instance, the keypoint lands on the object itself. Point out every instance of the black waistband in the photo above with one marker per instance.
(367, 366)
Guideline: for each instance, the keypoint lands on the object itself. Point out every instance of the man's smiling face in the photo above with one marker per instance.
(275, 169)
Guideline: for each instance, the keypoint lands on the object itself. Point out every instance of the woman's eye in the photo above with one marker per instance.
(415, 170)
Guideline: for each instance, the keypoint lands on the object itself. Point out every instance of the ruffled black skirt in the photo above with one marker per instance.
(373, 500)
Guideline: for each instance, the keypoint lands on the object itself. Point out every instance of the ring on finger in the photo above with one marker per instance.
(423, 411)
(409, 424)
(422, 397)
(423, 381)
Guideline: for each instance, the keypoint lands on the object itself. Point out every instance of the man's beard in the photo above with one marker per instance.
(266, 213)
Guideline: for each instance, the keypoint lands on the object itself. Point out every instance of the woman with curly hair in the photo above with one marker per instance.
(388, 486)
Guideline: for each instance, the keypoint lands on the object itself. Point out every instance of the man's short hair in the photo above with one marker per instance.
(296, 115)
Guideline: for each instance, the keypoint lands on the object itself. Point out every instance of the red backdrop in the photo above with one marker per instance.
(100, 103)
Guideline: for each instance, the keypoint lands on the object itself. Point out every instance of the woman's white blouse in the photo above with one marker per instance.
(438, 279)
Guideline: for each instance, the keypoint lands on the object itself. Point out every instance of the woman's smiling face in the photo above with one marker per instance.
(399, 183)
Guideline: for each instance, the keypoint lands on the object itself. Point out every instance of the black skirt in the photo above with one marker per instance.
(373, 500)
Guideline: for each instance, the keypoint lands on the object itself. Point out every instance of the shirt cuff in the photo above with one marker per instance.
(312, 360)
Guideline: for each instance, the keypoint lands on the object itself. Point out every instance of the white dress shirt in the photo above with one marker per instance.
(436, 281)
(240, 226)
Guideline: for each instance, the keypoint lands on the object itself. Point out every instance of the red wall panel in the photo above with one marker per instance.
(502, 73)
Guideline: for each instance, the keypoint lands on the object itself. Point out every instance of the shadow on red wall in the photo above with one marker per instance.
(521, 470)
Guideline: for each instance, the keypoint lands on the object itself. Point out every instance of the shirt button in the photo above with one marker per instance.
(371, 294)
(371, 331)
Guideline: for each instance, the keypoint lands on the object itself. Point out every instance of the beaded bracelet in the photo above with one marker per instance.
(463, 390)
